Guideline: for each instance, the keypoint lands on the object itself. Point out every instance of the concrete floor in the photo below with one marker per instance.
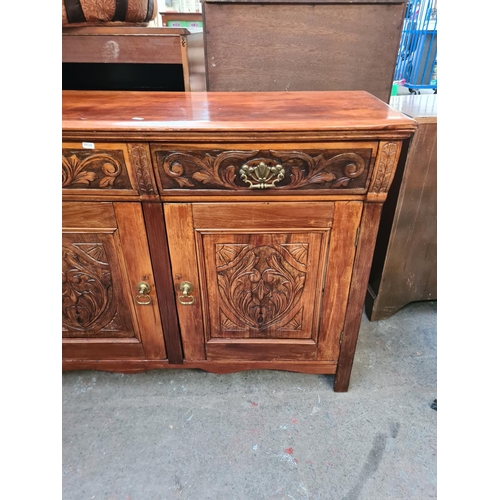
(187, 434)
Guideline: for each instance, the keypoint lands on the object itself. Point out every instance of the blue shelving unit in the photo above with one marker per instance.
(417, 57)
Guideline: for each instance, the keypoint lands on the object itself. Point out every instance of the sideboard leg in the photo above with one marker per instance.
(359, 284)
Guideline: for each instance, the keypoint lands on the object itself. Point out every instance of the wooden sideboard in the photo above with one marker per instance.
(404, 266)
(296, 45)
(132, 58)
(221, 231)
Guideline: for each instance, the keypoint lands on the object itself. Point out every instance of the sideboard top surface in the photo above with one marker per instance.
(284, 112)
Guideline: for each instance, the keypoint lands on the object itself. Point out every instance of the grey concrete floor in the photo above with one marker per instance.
(187, 434)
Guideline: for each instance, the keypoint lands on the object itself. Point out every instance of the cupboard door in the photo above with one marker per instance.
(261, 276)
(105, 257)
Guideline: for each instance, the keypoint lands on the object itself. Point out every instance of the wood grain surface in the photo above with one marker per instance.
(167, 112)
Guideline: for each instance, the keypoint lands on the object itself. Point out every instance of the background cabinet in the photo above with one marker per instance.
(404, 266)
(293, 45)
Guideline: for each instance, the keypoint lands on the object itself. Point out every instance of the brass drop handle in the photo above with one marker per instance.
(258, 175)
(142, 298)
(186, 288)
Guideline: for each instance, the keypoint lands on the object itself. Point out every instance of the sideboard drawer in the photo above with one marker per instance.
(263, 168)
(103, 169)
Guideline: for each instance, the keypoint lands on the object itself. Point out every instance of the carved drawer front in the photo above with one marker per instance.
(106, 169)
(263, 168)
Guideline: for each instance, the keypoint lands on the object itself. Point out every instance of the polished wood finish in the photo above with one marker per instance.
(136, 45)
(102, 264)
(278, 259)
(158, 246)
(405, 259)
(281, 116)
(338, 167)
(278, 45)
(359, 282)
(261, 268)
(219, 367)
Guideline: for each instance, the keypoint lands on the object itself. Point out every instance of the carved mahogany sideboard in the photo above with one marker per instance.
(221, 231)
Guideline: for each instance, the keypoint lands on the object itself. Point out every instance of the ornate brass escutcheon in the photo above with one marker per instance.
(142, 298)
(186, 288)
(261, 176)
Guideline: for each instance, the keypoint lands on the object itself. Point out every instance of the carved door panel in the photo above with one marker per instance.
(269, 280)
(105, 256)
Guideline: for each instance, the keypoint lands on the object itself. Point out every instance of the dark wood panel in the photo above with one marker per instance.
(340, 169)
(277, 46)
(319, 2)
(114, 45)
(158, 246)
(220, 367)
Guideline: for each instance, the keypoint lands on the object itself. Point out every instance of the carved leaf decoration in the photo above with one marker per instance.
(229, 175)
(227, 325)
(321, 178)
(109, 172)
(141, 164)
(298, 251)
(259, 287)
(106, 181)
(74, 169)
(183, 182)
(85, 178)
(386, 166)
(318, 161)
(295, 324)
(203, 176)
(343, 181)
(86, 290)
(296, 177)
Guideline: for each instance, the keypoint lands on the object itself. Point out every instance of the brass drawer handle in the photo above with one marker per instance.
(261, 176)
(186, 288)
(143, 298)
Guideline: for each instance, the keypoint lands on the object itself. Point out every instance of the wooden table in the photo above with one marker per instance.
(405, 260)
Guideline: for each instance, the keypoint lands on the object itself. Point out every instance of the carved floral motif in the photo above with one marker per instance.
(318, 171)
(87, 287)
(100, 167)
(295, 324)
(141, 163)
(223, 170)
(386, 167)
(259, 285)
